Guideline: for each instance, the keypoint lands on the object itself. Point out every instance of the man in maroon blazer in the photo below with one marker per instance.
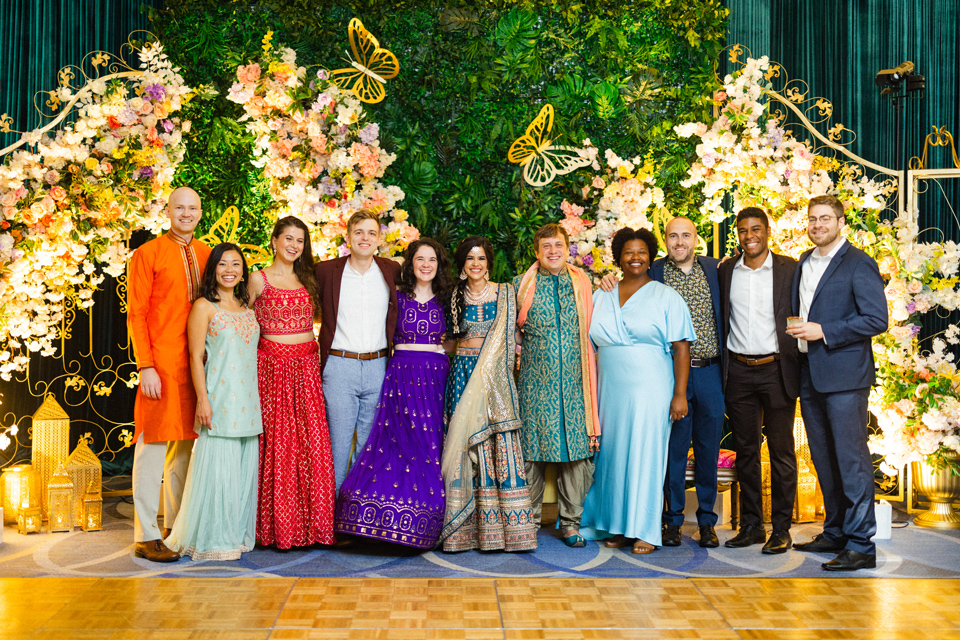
(358, 300)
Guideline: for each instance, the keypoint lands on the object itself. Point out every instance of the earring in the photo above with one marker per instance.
(486, 276)
(463, 274)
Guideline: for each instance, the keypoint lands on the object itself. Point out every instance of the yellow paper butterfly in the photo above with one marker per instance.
(541, 161)
(372, 66)
(225, 230)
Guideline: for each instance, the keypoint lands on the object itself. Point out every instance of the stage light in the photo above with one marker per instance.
(890, 80)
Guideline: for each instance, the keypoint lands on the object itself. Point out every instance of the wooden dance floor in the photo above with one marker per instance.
(476, 609)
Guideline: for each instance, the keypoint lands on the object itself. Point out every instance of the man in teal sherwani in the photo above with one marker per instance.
(557, 383)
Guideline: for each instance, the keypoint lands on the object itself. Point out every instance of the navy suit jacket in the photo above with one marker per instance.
(709, 266)
(850, 306)
(783, 276)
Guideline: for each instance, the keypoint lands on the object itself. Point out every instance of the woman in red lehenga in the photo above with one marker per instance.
(297, 490)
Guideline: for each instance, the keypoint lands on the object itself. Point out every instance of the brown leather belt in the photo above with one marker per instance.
(372, 355)
(756, 361)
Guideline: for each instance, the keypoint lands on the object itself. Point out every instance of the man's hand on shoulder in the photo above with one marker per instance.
(609, 282)
(150, 383)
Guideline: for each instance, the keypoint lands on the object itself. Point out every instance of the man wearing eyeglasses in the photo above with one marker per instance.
(838, 292)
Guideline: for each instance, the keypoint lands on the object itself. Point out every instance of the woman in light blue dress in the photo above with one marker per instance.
(219, 509)
(642, 331)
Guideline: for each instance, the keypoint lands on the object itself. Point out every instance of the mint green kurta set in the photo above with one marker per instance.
(552, 405)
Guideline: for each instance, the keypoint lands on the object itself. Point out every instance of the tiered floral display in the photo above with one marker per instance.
(70, 199)
(746, 154)
(319, 150)
(619, 193)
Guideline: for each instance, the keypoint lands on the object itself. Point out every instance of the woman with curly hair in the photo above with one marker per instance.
(488, 499)
(297, 490)
(394, 491)
(642, 331)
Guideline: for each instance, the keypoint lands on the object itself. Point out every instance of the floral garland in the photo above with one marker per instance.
(745, 153)
(70, 200)
(619, 193)
(321, 154)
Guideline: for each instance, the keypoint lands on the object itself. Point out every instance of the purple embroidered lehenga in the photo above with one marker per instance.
(394, 491)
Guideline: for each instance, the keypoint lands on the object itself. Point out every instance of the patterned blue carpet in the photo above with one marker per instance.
(912, 552)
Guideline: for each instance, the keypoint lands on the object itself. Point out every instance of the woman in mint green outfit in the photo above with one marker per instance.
(219, 509)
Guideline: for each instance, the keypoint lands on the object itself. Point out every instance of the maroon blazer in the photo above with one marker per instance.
(329, 275)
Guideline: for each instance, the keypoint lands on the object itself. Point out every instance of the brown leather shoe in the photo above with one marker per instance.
(155, 551)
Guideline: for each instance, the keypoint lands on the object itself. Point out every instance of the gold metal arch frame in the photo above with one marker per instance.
(97, 66)
(794, 96)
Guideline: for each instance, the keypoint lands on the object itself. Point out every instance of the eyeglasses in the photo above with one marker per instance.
(822, 219)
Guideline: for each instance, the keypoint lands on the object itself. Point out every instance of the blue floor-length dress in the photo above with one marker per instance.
(635, 367)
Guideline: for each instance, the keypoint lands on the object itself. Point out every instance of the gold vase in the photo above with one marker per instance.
(942, 488)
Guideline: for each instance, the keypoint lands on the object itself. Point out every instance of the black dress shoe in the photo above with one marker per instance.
(850, 560)
(819, 544)
(708, 537)
(748, 535)
(779, 542)
(670, 536)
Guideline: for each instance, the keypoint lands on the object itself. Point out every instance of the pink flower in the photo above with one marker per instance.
(9, 213)
(249, 74)
(52, 176)
(720, 96)
(58, 193)
(107, 167)
(9, 199)
(571, 210)
(598, 183)
(285, 147)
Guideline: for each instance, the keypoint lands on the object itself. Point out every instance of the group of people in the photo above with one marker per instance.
(428, 409)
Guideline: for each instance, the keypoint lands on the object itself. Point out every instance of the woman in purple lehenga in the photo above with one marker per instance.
(394, 492)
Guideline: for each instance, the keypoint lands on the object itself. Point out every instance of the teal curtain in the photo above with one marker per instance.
(838, 47)
(39, 37)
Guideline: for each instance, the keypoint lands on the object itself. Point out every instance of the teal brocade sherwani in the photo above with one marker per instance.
(551, 377)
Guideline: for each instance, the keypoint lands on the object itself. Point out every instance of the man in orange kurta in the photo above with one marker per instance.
(165, 277)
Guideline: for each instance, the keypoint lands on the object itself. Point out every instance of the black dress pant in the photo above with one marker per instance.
(755, 398)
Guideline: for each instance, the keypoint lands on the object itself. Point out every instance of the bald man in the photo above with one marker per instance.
(695, 279)
(165, 278)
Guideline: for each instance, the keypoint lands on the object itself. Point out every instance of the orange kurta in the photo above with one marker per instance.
(164, 281)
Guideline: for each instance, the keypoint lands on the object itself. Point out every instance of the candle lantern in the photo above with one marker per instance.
(28, 519)
(83, 467)
(60, 502)
(19, 488)
(92, 515)
(51, 444)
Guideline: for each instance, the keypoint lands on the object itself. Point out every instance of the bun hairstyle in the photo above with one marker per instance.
(304, 265)
(458, 302)
(442, 282)
(209, 290)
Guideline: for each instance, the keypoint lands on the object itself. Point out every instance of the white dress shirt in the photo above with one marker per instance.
(810, 273)
(753, 328)
(362, 312)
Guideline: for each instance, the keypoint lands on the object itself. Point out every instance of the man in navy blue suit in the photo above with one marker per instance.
(695, 279)
(838, 291)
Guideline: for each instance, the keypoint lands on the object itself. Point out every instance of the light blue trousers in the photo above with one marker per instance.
(351, 390)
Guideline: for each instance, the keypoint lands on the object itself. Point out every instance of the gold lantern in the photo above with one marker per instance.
(19, 488)
(805, 506)
(28, 519)
(83, 467)
(766, 485)
(60, 502)
(92, 513)
(51, 442)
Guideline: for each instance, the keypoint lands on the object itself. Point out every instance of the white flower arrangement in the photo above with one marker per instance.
(70, 200)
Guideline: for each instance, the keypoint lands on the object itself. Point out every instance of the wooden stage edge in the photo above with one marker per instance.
(477, 608)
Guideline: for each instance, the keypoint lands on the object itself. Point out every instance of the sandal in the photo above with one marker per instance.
(617, 541)
(642, 548)
(575, 541)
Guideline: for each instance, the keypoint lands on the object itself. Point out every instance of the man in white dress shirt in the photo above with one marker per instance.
(358, 302)
(838, 291)
(761, 379)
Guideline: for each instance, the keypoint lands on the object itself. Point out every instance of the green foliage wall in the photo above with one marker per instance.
(472, 76)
